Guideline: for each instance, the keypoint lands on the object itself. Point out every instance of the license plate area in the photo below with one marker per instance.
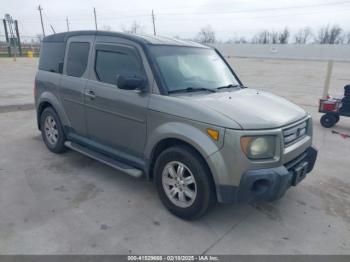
(300, 172)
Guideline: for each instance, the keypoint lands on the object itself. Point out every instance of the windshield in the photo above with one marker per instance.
(191, 68)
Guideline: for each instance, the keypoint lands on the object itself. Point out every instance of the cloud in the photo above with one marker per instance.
(183, 18)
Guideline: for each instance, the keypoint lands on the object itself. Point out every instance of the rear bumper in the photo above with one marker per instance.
(269, 184)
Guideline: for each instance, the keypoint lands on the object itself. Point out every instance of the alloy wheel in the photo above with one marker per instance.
(51, 131)
(179, 184)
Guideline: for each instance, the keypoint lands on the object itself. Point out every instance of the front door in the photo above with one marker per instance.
(116, 118)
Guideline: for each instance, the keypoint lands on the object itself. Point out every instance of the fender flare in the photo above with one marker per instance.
(187, 133)
(48, 97)
(193, 136)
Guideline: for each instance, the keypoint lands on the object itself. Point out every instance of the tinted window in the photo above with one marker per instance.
(77, 59)
(51, 56)
(110, 64)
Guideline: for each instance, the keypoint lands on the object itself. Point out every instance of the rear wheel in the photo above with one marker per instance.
(183, 182)
(329, 120)
(52, 130)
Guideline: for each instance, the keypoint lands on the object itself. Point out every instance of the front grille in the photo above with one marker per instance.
(294, 133)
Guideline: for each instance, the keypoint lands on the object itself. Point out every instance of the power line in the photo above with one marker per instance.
(258, 17)
(152, 15)
(209, 13)
(61, 20)
(23, 27)
(258, 10)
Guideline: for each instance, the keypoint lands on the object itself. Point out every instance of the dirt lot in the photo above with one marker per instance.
(70, 204)
(299, 81)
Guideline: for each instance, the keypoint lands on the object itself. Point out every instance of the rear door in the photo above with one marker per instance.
(73, 83)
(116, 118)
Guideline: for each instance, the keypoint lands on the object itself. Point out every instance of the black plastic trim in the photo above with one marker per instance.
(274, 181)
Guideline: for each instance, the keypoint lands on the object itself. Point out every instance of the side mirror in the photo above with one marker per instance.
(131, 82)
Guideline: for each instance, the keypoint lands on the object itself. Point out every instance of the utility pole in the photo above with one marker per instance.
(67, 23)
(154, 24)
(95, 18)
(41, 18)
(13, 40)
(328, 79)
(18, 38)
(7, 38)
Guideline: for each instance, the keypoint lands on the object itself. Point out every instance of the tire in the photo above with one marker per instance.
(52, 131)
(337, 118)
(328, 120)
(184, 204)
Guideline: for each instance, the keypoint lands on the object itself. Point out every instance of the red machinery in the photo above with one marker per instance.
(334, 108)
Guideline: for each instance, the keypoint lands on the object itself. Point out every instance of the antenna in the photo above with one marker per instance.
(53, 30)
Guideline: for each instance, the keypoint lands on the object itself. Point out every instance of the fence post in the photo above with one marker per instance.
(328, 79)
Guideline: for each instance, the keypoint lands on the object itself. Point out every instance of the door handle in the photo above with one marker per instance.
(90, 94)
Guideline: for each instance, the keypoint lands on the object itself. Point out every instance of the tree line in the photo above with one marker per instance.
(325, 35)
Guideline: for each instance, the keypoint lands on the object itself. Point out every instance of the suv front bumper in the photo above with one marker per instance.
(270, 183)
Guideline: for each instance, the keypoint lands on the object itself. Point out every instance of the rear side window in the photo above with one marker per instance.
(77, 58)
(51, 56)
(110, 64)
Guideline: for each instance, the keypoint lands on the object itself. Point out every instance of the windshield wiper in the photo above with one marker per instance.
(192, 89)
(228, 86)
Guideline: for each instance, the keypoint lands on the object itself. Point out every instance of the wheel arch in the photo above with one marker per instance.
(47, 99)
(168, 142)
(172, 133)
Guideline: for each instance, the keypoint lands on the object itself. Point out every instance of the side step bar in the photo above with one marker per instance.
(105, 159)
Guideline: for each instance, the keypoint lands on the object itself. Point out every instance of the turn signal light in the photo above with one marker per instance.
(213, 134)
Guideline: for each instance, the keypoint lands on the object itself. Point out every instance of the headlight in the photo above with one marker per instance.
(258, 147)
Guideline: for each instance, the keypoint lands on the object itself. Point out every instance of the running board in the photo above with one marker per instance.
(105, 159)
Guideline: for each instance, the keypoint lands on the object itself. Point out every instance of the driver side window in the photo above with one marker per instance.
(110, 64)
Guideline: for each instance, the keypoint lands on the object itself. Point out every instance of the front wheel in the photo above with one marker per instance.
(184, 182)
(329, 120)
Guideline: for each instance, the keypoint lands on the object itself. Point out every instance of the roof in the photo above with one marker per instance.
(141, 39)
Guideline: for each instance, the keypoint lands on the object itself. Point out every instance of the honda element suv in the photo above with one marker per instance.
(171, 111)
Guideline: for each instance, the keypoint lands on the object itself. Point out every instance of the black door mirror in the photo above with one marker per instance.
(131, 82)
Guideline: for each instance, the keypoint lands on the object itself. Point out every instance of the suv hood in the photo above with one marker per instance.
(252, 109)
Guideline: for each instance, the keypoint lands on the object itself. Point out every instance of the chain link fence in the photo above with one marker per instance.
(30, 46)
